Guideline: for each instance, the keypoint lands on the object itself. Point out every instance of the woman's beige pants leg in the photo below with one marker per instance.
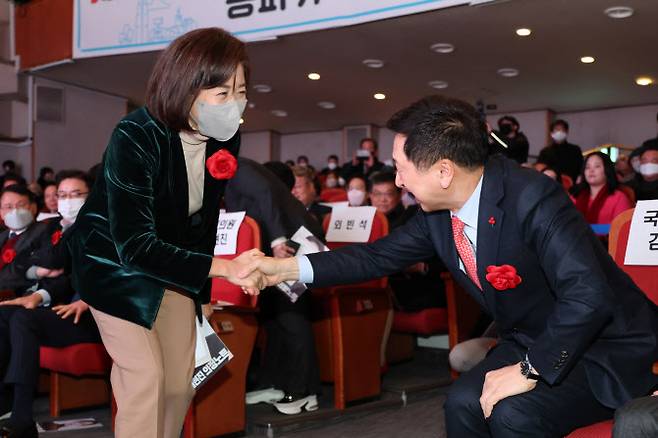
(152, 372)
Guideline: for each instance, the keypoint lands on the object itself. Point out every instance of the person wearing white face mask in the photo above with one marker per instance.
(356, 192)
(561, 155)
(144, 240)
(332, 165)
(646, 184)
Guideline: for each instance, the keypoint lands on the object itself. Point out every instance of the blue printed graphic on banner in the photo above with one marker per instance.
(150, 26)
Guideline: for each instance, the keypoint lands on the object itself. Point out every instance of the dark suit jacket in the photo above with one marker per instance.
(573, 304)
(268, 201)
(134, 237)
(12, 275)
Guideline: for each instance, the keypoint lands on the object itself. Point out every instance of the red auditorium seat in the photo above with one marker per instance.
(333, 195)
(426, 322)
(78, 376)
(645, 278)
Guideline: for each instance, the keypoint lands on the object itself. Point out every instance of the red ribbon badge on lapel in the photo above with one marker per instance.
(55, 238)
(8, 255)
(503, 277)
(222, 164)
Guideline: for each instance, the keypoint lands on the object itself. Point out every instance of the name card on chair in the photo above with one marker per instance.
(642, 248)
(351, 224)
(227, 232)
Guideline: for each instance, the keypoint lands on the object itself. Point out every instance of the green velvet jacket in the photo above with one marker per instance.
(135, 237)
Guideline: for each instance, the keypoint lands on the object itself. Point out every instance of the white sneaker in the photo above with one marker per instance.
(269, 395)
(291, 406)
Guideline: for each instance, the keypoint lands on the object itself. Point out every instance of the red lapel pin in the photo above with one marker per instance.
(492, 221)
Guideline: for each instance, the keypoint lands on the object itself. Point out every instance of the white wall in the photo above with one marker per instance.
(257, 146)
(629, 126)
(78, 142)
(317, 146)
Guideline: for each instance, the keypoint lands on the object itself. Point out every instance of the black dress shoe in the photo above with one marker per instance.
(27, 429)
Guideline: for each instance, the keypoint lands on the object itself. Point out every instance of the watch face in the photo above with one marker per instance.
(525, 368)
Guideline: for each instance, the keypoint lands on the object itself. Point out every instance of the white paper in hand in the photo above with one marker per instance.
(351, 224)
(218, 355)
(642, 246)
(227, 232)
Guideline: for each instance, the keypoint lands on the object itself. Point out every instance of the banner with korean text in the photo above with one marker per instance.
(110, 27)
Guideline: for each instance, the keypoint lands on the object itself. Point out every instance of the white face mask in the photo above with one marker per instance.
(19, 219)
(649, 169)
(559, 136)
(408, 199)
(356, 197)
(331, 165)
(221, 121)
(635, 164)
(69, 208)
(331, 183)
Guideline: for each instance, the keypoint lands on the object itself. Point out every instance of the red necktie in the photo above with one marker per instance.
(465, 250)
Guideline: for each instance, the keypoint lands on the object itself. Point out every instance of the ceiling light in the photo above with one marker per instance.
(314, 76)
(373, 63)
(279, 113)
(619, 12)
(442, 48)
(251, 105)
(439, 85)
(644, 81)
(241, 120)
(523, 32)
(326, 105)
(508, 72)
(379, 96)
(587, 59)
(262, 88)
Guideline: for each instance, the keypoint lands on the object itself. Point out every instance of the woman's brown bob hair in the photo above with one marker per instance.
(197, 60)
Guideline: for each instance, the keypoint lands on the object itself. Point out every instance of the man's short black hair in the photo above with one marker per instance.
(371, 140)
(562, 123)
(333, 157)
(510, 119)
(75, 174)
(20, 190)
(10, 164)
(382, 177)
(439, 127)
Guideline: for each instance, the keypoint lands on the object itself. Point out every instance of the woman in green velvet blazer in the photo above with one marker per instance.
(143, 250)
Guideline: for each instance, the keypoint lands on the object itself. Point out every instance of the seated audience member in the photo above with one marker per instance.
(331, 180)
(386, 197)
(28, 322)
(332, 165)
(624, 170)
(289, 376)
(8, 168)
(50, 198)
(560, 154)
(306, 191)
(517, 143)
(357, 194)
(290, 163)
(637, 418)
(597, 197)
(13, 179)
(23, 237)
(364, 162)
(281, 171)
(646, 185)
(46, 176)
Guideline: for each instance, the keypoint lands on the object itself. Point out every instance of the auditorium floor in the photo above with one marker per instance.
(410, 404)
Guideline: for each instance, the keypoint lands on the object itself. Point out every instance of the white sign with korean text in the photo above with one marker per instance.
(227, 232)
(110, 27)
(351, 224)
(642, 246)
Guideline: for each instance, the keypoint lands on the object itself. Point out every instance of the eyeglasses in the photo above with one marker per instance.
(8, 207)
(71, 195)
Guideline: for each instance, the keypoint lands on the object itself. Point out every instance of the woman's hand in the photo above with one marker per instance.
(241, 271)
(76, 308)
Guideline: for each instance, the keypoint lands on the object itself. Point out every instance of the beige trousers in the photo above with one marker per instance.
(152, 371)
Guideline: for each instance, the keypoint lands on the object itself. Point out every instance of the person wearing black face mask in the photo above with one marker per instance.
(517, 143)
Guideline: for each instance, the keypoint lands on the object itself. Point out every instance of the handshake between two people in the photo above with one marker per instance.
(253, 271)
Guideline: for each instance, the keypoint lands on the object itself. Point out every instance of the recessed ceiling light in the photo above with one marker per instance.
(524, 31)
(373, 63)
(619, 12)
(508, 72)
(644, 81)
(379, 96)
(587, 59)
(439, 85)
(326, 105)
(279, 113)
(314, 76)
(241, 120)
(262, 88)
(442, 48)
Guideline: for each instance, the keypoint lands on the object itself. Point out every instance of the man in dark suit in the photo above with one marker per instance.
(577, 337)
(306, 190)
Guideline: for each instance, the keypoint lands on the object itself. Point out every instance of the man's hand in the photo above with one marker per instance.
(76, 308)
(48, 273)
(281, 251)
(31, 301)
(241, 271)
(502, 383)
(274, 270)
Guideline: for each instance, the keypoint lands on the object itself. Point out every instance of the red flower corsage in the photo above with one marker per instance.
(222, 165)
(57, 235)
(492, 221)
(8, 255)
(503, 277)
